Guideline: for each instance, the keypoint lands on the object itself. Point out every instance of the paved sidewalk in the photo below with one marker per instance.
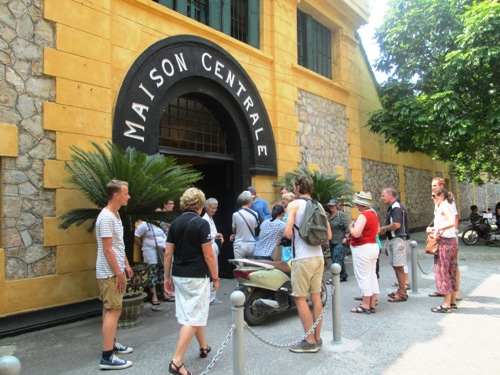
(401, 338)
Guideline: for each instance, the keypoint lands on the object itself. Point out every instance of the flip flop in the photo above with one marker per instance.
(360, 310)
(157, 303)
(372, 309)
(435, 294)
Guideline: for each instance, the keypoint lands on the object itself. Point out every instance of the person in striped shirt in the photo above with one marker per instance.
(112, 271)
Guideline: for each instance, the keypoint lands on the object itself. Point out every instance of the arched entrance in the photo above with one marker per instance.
(182, 71)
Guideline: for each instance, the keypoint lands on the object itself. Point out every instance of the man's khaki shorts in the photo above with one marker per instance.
(307, 275)
(397, 252)
(109, 295)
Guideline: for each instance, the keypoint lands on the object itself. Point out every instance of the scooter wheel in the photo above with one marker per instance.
(470, 237)
(252, 317)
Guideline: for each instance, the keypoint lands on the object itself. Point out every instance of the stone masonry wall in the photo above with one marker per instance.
(23, 89)
(419, 205)
(322, 137)
(376, 176)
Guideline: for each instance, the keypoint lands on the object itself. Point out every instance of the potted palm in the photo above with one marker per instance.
(326, 186)
(151, 179)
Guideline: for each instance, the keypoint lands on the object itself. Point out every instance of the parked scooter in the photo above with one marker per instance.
(267, 288)
(481, 229)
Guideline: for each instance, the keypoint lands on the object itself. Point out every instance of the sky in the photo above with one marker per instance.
(366, 32)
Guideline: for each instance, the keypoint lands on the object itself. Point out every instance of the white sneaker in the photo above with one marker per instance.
(216, 302)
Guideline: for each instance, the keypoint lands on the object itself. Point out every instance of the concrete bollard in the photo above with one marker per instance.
(238, 302)
(10, 365)
(336, 315)
(414, 267)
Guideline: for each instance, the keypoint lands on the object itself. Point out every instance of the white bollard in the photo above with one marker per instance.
(414, 267)
(238, 302)
(10, 365)
(336, 315)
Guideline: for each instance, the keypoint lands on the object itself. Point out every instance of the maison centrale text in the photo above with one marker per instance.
(210, 66)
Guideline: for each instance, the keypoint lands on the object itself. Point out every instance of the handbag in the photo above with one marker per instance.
(432, 243)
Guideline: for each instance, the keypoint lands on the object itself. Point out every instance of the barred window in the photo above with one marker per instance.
(237, 18)
(189, 124)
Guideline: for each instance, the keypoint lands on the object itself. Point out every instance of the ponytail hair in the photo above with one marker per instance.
(277, 211)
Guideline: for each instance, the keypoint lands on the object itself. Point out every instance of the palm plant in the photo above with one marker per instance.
(151, 180)
(326, 186)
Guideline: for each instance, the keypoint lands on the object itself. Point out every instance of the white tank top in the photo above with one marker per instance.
(301, 249)
(440, 220)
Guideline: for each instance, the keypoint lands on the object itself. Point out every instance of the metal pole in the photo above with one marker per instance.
(336, 317)
(238, 301)
(414, 267)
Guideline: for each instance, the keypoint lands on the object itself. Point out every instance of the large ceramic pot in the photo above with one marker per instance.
(138, 281)
(133, 301)
(132, 309)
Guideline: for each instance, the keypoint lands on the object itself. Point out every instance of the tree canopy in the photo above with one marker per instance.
(442, 58)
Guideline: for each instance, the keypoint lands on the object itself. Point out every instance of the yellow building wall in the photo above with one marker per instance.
(96, 43)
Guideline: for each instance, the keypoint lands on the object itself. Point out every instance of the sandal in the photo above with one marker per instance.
(396, 292)
(453, 306)
(155, 303)
(360, 310)
(177, 369)
(441, 309)
(398, 297)
(204, 351)
(169, 298)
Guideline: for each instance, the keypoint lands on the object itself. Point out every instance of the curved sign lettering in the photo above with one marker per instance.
(141, 99)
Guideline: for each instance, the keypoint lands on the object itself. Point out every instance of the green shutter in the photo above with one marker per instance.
(214, 11)
(310, 44)
(167, 3)
(181, 7)
(226, 17)
(253, 23)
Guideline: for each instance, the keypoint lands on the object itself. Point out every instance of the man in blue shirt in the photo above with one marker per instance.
(259, 205)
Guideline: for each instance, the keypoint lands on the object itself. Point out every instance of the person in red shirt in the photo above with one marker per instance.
(365, 250)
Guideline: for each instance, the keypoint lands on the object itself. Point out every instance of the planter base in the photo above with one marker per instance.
(132, 311)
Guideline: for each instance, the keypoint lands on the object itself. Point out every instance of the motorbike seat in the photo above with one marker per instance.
(278, 264)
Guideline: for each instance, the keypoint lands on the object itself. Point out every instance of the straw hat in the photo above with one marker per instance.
(363, 198)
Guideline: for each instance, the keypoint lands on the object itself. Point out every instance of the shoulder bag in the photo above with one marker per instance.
(159, 251)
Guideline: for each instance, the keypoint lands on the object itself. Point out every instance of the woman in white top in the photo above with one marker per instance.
(445, 260)
(150, 237)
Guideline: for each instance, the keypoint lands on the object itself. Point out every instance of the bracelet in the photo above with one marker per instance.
(216, 279)
(166, 276)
